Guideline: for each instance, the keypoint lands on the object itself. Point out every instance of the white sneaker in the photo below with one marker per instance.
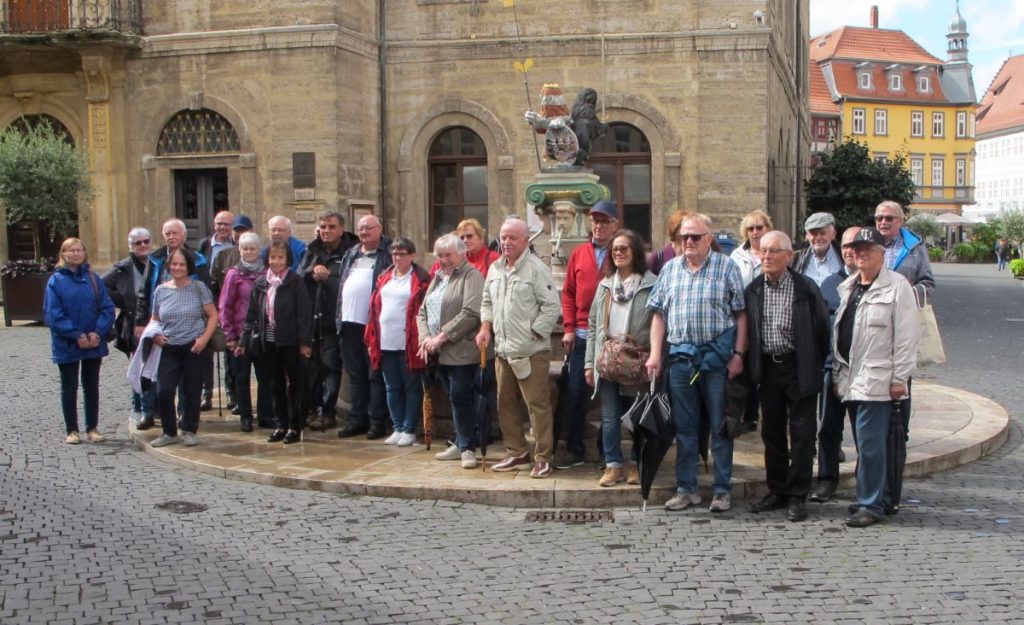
(406, 439)
(682, 501)
(393, 439)
(163, 440)
(720, 503)
(452, 453)
(189, 439)
(468, 459)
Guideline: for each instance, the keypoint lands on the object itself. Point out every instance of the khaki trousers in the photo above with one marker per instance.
(535, 393)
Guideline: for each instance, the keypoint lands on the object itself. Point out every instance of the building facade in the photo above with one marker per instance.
(881, 88)
(411, 109)
(1000, 180)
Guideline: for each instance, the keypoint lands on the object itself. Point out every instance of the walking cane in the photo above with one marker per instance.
(220, 386)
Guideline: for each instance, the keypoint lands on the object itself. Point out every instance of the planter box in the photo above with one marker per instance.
(23, 297)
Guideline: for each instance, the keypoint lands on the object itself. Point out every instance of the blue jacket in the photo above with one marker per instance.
(71, 310)
(912, 263)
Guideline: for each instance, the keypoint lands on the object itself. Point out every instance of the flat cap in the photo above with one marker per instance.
(819, 220)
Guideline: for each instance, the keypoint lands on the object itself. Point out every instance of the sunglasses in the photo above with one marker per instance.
(142, 242)
(692, 237)
(620, 249)
(756, 227)
(886, 218)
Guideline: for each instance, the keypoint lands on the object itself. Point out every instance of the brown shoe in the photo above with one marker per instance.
(511, 463)
(612, 476)
(634, 475)
(540, 469)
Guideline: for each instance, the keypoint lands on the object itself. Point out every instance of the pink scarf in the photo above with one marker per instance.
(275, 281)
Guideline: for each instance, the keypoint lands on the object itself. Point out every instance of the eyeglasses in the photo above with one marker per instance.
(600, 222)
(620, 249)
(756, 227)
(142, 242)
(468, 235)
(772, 252)
(223, 224)
(399, 253)
(886, 218)
(692, 237)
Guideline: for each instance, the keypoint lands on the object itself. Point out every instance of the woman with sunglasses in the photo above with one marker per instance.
(748, 255)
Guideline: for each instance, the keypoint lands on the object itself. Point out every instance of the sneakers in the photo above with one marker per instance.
(633, 478)
(72, 438)
(94, 436)
(612, 476)
(145, 423)
(452, 453)
(406, 439)
(540, 469)
(393, 439)
(720, 503)
(468, 459)
(189, 439)
(164, 440)
(511, 463)
(567, 460)
(682, 501)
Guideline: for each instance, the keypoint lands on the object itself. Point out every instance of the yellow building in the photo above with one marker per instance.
(880, 87)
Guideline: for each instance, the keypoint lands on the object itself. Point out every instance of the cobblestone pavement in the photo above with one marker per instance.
(82, 539)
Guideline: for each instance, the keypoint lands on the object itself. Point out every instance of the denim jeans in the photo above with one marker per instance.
(144, 403)
(404, 391)
(90, 370)
(613, 406)
(689, 401)
(576, 403)
(458, 381)
(365, 385)
(179, 367)
(872, 424)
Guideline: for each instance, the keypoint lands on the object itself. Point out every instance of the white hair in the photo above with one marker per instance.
(138, 233)
(449, 243)
(250, 238)
(175, 222)
(784, 241)
(287, 222)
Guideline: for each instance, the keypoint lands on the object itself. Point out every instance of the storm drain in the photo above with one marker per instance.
(181, 507)
(571, 516)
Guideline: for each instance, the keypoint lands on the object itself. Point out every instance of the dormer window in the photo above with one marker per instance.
(864, 80)
(924, 85)
(895, 82)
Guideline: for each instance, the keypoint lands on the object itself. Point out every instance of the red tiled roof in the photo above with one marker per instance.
(847, 84)
(870, 44)
(821, 97)
(1003, 104)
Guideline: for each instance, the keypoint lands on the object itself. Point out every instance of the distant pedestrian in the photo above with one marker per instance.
(1003, 251)
(79, 313)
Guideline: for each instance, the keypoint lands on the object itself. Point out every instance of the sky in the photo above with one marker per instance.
(996, 27)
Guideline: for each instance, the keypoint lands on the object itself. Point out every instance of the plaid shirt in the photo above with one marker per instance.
(777, 317)
(698, 305)
(892, 250)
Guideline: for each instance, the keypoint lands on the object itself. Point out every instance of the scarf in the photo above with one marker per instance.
(624, 290)
(254, 267)
(275, 281)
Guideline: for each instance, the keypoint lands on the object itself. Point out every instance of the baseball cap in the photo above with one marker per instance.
(819, 220)
(606, 208)
(242, 221)
(868, 235)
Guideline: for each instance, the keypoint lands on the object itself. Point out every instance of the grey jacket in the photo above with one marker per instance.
(522, 305)
(460, 315)
(639, 322)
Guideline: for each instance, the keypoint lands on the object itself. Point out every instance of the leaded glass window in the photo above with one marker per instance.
(197, 132)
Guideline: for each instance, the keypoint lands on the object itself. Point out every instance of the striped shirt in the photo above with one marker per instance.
(777, 316)
(180, 310)
(698, 305)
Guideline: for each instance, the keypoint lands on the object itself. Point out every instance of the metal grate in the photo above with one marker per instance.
(181, 507)
(197, 132)
(571, 516)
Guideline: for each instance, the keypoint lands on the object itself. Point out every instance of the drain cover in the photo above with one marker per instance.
(571, 516)
(181, 507)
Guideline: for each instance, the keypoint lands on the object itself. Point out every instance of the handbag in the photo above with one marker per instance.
(112, 333)
(929, 342)
(622, 359)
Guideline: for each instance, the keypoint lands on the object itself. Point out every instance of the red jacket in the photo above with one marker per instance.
(419, 286)
(581, 277)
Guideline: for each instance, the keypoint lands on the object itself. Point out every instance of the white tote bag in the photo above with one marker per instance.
(929, 341)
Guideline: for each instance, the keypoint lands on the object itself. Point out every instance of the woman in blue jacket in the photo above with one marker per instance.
(79, 313)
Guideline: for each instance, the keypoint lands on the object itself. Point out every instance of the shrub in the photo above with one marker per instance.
(1017, 268)
(935, 254)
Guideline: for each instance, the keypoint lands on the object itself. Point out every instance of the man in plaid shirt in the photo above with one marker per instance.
(789, 339)
(699, 308)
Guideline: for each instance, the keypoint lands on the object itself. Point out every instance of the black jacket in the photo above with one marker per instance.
(216, 277)
(292, 311)
(325, 293)
(810, 332)
(381, 263)
(120, 283)
(803, 255)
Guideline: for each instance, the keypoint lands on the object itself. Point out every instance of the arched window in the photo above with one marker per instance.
(197, 132)
(25, 122)
(458, 180)
(622, 159)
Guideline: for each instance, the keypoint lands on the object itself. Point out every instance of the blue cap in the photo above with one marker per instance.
(605, 208)
(242, 221)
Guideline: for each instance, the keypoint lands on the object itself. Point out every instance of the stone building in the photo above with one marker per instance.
(411, 109)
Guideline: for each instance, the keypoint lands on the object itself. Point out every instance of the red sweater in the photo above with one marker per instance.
(581, 278)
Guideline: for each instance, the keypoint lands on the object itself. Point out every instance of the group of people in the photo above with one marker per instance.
(808, 334)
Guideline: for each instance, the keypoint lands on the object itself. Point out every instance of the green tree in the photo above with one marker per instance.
(1012, 227)
(925, 225)
(849, 183)
(42, 180)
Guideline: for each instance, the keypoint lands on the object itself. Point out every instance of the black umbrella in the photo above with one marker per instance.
(563, 398)
(649, 419)
(313, 367)
(896, 454)
(484, 414)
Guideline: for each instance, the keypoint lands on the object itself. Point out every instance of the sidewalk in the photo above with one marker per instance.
(949, 428)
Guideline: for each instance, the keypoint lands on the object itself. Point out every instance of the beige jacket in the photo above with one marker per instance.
(884, 347)
(522, 306)
(460, 315)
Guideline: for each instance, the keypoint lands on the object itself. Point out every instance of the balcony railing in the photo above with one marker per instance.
(39, 17)
(957, 195)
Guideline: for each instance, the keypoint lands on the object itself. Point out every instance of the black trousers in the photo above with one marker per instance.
(283, 365)
(366, 386)
(90, 369)
(178, 365)
(788, 463)
(242, 373)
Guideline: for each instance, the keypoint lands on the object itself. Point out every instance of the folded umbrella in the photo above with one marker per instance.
(484, 415)
(896, 457)
(430, 381)
(563, 398)
(649, 419)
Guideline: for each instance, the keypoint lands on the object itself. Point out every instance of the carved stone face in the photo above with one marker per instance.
(565, 218)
